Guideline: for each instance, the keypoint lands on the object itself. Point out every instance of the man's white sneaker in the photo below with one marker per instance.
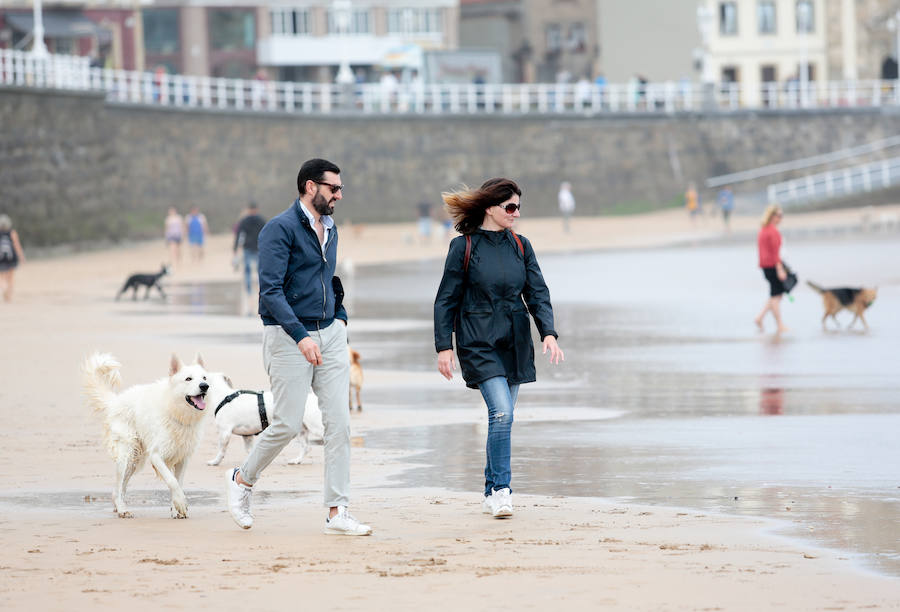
(344, 523)
(487, 506)
(502, 503)
(238, 499)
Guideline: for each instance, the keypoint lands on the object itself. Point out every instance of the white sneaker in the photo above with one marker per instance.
(487, 506)
(238, 499)
(344, 523)
(502, 503)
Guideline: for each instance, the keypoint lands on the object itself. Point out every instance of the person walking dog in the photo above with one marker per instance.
(304, 343)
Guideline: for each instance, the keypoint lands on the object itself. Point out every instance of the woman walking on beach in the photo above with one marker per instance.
(11, 255)
(491, 283)
(174, 232)
(769, 245)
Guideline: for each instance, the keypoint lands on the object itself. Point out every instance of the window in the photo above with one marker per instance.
(806, 23)
(768, 74)
(765, 16)
(577, 41)
(728, 25)
(160, 30)
(810, 71)
(414, 21)
(359, 22)
(729, 74)
(554, 37)
(231, 29)
(291, 22)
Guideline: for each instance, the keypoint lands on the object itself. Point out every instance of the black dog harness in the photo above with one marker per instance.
(264, 421)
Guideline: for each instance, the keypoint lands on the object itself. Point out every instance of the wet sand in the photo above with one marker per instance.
(65, 549)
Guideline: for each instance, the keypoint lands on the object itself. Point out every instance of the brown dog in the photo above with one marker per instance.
(356, 378)
(854, 300)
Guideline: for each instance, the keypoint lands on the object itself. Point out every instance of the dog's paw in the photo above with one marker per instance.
(125, 514)
(296, 460)
(214, 462)
(175, 513)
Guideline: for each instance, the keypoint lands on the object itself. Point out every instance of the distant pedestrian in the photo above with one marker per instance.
(692, 201)
(566, 203)
(726, 204)
(246, 237)
(423, 209)
(11, 255)
(173, 229)
(769, 245)
(197, 229)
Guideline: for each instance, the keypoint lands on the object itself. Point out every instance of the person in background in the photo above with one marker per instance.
(173, 229)
(423, 210)
(769, 245)
(196, 231)
(692, 201)
(11, 256)
(491, 284)
(726, 204)
(566, 203)
(246, 237)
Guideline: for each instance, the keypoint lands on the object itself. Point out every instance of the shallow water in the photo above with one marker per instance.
(717, 416)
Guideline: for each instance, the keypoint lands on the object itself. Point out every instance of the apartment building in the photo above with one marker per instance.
(302, 40)
(538, 40)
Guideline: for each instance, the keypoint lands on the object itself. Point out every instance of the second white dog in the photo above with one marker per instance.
(238, 412)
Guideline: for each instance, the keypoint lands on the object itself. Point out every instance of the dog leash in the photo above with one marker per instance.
(260, 404)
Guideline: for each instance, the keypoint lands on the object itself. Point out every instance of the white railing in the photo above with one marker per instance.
(837, 183)
(67, 72)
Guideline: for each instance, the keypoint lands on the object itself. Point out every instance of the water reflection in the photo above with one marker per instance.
(667, 336)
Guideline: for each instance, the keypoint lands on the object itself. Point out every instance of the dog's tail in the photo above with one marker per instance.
(101, 378)
(815, 286)
(354, 357)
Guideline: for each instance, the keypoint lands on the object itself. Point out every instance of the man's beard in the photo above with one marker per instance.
(321, 205)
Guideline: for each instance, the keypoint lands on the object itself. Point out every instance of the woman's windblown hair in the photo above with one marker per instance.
(467, 206)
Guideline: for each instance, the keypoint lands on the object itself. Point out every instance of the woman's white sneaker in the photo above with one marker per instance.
(502, 503)
(486, 506)
(344, 523)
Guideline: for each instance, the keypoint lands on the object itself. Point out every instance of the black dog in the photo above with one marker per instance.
(146, 280)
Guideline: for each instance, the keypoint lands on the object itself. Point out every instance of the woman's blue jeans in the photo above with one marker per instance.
(500, 397)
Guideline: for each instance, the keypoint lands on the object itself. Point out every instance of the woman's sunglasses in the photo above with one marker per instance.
(511, 208)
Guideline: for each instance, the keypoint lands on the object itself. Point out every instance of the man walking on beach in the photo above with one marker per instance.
(246, 237)
(304, 343)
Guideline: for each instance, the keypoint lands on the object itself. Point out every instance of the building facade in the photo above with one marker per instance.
(538, 40)
(301, 40)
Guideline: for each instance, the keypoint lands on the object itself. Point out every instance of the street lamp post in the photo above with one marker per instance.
(38, 48)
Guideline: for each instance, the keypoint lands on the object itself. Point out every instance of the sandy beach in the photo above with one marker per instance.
(65, 548)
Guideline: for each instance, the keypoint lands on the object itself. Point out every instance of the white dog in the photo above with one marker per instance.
(239, 413)
(158, 421)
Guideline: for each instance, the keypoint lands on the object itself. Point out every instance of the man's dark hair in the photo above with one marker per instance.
(253, 205)
(314, 170)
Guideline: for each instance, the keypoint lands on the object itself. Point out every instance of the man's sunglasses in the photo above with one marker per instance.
(511, 207)
(334, 188)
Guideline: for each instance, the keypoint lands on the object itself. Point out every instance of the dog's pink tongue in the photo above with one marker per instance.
(199, 402)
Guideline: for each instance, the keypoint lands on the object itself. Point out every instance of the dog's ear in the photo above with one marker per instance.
(175, 365)
(199, 360)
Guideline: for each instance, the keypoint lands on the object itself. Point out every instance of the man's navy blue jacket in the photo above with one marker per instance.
(295, 289)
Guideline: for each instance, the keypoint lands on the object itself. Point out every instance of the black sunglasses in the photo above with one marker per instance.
(334, 188)
(511, 207)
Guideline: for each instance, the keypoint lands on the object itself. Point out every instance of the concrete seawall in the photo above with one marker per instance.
(76, 169)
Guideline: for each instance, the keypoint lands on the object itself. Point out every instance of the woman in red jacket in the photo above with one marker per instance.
(769, 243)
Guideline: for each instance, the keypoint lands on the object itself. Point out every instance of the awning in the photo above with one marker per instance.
(58, 24)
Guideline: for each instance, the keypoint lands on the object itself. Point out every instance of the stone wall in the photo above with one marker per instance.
(74, 169)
